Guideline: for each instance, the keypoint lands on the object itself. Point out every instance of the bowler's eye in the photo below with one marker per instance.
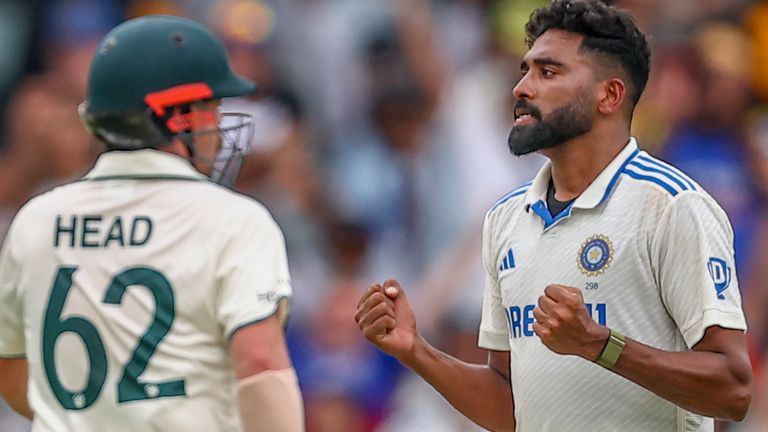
(547, 73)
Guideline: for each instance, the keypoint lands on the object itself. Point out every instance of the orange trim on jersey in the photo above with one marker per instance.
(178, 95)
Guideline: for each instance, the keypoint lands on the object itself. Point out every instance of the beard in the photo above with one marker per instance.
(561, 125)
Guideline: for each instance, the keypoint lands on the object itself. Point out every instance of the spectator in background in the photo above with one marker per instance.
(394, 174)
(15, 32)
(713, 147)
(347, 385)
(280, 169)
(42, 116)
(247, 28)
(672, 96)
(432, 413)
(755, 23)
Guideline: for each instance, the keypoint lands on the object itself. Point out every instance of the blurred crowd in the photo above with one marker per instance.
(380, 143)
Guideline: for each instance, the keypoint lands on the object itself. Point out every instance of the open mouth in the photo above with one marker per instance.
(522, 117)
(524, 113)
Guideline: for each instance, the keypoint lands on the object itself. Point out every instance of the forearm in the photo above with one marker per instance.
(478, 391)
(701, 382)
(271, 402)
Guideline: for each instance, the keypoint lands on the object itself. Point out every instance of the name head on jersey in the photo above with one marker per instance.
(587, 62)
(97, 231)
(595, 255)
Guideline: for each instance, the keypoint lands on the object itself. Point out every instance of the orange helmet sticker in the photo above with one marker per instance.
(178, 95)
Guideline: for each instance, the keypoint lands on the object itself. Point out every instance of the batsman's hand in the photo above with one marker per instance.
(564, 325)
(386, 319)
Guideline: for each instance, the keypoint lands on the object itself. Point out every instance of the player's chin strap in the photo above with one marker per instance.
(270, 401)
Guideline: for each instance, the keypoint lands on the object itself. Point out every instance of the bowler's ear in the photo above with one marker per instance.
(612, 94)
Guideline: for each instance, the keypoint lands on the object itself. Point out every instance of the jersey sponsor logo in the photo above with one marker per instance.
(595, 255)
(508, 263)
(720, 272)
(520, 318)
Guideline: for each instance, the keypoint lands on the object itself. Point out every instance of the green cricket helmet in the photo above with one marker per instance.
(145, 75)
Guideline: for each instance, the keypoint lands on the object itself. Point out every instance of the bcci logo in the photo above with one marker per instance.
(595, 255)
(720, 273)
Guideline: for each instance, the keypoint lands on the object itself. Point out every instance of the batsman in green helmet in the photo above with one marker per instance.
(155, 82)
(146, 296)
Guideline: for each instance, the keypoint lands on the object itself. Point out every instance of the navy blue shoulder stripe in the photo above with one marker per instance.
(516, 192)
(668, 168)
(665, 173)
(663, 184)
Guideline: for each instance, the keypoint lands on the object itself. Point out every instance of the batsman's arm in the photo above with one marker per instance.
(13, 385)
(268, 394)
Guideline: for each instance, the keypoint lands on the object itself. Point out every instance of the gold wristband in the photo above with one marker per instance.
(612, 350)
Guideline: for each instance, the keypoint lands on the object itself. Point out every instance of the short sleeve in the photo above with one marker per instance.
(494, 328)
(12, 343)
(253, 274)
(695, 267)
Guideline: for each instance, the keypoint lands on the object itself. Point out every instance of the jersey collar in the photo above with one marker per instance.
(142, 164)
(595, 194)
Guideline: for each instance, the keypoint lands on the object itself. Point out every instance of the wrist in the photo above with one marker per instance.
(410, 357)
(600, 338)
(612, 351)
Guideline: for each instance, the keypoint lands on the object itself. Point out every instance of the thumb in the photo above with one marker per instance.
(392, 289)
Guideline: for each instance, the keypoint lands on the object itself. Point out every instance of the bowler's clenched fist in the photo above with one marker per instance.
(386, 319)
(564, 325)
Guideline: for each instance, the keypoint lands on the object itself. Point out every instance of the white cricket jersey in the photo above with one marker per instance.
(123, 289)
(653, 255)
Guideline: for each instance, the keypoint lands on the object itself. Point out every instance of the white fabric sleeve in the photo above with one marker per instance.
(253, 273)
(494, 327)
(12, 341)
(694, 264)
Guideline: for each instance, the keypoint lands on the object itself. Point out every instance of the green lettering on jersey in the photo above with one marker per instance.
(115, 232)
(130, 387)
(89, 229)
(138, 222)
(53, 327)
(62, 230)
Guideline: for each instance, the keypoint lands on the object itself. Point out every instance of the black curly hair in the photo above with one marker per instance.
(609, 32)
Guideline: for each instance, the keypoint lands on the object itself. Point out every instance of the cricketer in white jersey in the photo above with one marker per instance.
(652, 253)
(605, 242)
(122, 291)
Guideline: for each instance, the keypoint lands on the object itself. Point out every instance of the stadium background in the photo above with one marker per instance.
(380, 142)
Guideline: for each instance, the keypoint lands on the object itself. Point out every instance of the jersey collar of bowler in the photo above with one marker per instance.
(148, 164)
(595, 194)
